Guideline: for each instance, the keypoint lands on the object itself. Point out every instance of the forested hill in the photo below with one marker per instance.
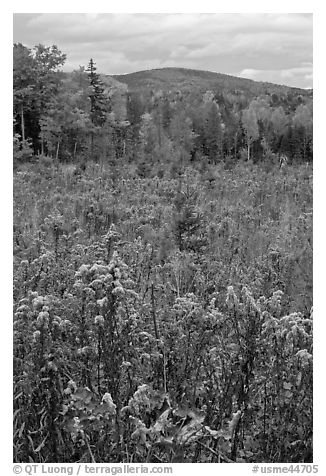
(229, 116)
(154, 119)
(168, 79)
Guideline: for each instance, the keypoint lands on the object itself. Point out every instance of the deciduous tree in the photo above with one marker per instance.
(250, 125)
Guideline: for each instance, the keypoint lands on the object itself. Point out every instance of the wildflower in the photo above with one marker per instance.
(99, 320)
(140, 400)
(132, 293)
(89, 292)
(118, 291)
(112, 234)
(108, 279)
(77, 429)
(127, 364)
(72, 385)
(107, 399)
(65, 324)
(23, 308)
(83, 270)
(102, 302)
(78, 285)
(284, 333)
(231, 299)
(36, 336)
(252, 305)
(96, 284)
(52, 366)
(83, 350)
(304, 356)
(38, 302)
(98, 269)
(140, 432)
(42, 319)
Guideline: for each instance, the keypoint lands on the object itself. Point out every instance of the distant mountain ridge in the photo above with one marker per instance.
(166, 79)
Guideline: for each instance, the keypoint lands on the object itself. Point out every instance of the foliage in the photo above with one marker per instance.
(157, 119)
(162, 266)
(22, 150)
(96, 96)
(162, 320)
(250, 125)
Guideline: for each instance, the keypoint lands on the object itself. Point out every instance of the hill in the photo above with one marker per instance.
(169, 79)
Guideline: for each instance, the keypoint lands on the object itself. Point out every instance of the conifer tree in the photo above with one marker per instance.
(96, 96)
(97, 101)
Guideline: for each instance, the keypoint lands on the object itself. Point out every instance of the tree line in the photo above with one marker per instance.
(83, 115)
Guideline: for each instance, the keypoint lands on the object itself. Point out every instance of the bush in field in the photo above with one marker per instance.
(22, 150)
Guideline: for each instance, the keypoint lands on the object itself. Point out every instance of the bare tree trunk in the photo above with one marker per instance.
(57, 152)
(235, 144)
(92, 145)
(75, 148)
(154, 314)
(22, 123)
(248, 150)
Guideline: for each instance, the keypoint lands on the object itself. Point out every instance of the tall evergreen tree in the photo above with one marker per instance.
(96, 96)
(97, 101)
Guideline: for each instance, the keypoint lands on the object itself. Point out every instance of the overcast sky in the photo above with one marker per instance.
(264, 47)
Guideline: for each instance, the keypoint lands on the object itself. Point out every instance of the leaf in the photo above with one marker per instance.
(83, 394)
(168, 442)
(162, 421)
(217, 433)
(234, 422)
(299, 378)
(31, 442)
(213, 433)
(40, 446)
(21, 430)
(287, 386)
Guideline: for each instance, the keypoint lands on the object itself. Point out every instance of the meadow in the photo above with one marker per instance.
(165, 318)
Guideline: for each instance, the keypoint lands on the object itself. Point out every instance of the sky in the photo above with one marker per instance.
(260, 46)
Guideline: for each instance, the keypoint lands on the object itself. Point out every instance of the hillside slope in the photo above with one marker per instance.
(188, 79)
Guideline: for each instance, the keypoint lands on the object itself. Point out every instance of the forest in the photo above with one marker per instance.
(162, 266)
